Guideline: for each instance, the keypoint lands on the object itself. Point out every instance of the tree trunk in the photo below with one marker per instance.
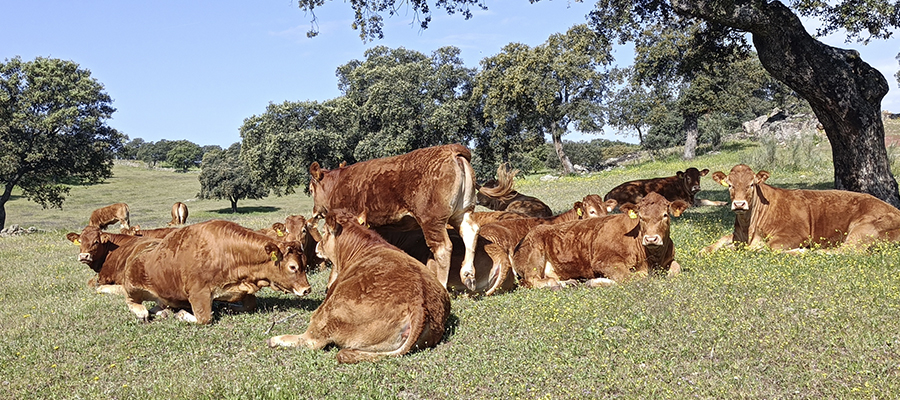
(556, 133)
(844, 92)
(7, 193)
(233, 205)
(690, 128)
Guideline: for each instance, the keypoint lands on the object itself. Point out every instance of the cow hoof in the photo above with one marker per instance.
(164, 314)
(185, 316)
(470, 283)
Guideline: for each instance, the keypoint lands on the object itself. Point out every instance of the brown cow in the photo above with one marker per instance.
(513, 201)
(683, 186)
(603, 251)
(179, 214)
(212, 260)
(434, 187)
(306, 232)
(106, 216)
(106, 253)
(502, 237)
(381, 302)
(785, 219)
(158, 233)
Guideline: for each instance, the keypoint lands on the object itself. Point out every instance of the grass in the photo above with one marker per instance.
(733, 325)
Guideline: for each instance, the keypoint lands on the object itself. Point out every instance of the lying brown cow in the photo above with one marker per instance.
(683, 186)
(213, 260)
(513, 201)
(792, 219)
(603, 251)
(381, 302)
(106, 216)
(502, 237)
(179, 214)
(106, 253)
(434, 186)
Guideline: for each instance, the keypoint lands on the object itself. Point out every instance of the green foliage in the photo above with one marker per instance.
(184, 155)
(153, 153)
(52, 130)
(129, 151)
(593, 154)
(547, 88)
(225, 177)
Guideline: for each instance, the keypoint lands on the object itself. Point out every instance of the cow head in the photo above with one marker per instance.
(92, 244)
(691, 179)
(742, 184)
(652, 215)
(295, 227)
(593, 206)
(289, 275)
(317, 190)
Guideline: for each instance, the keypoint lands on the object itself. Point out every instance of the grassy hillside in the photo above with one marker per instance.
(734, 325)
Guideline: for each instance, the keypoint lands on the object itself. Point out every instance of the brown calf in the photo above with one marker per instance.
(213, 260)
(793, 219)
(603, 251)
(381, 302)
(435, 186)
(106, 216)
(306, 232)
(179, 214)
(502, 237)
(106, 253)
(683, 186)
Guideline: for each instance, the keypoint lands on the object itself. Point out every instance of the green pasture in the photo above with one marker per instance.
(734, 325)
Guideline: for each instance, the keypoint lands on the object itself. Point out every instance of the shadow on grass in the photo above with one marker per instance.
(450, 327)
(246, 210)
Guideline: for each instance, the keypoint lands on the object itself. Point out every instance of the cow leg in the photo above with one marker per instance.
(134, 299)
(439, 242)
(674, 269)
(296, 341)
(111, 289)
(468, 231)
(499, 269)
(201, 306)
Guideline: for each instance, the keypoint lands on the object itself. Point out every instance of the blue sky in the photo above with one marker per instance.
(195, 70)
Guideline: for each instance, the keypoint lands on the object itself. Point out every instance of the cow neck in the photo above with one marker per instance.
(759, 205)
(657, 257)
(570, 215)
(352, 244)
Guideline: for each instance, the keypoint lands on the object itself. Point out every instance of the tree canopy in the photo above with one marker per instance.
(224, 176)
(53, 130)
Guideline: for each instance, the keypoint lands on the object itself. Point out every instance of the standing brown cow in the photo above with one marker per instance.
(432, 187)
(179, 214)
(381, 302)
(603, 251)
(785, 219)
(212, 260)
(106, 216)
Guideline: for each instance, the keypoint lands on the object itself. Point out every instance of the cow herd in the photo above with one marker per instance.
(401, 233)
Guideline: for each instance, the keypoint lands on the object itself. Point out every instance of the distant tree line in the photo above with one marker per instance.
(179, 154)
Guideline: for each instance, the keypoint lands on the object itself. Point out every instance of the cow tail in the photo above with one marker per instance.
(467, 188)
(415, 325)
(504, 190)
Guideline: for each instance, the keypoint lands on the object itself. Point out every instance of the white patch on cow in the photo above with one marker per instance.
(601, 282)
(183, 315)
(549, 271)
(111, 289)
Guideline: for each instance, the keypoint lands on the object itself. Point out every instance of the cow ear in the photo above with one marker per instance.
(761, 176)
(278, 227)
(316, 171)
(704, 172)
(104, 237)
(313, 231)
(579, 208)
(677, 207)
(610, 205)
(362, 218)
(74, 238)
(680, 174)
(273, 252)
(629, 208)
(720, 178)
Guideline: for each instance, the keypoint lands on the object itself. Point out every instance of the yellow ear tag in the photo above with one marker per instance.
(724, 183)
(76, 242)
(274, 256)
(279, 232)
(578, 211)
(632, 214)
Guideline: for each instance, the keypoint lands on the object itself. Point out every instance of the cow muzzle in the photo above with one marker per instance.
(652, 240)
(302, 291)
(739, 206)
(85, 257)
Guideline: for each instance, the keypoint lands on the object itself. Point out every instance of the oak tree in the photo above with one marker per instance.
(53, 130)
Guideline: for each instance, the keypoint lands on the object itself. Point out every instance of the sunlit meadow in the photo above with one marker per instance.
(735, 324)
